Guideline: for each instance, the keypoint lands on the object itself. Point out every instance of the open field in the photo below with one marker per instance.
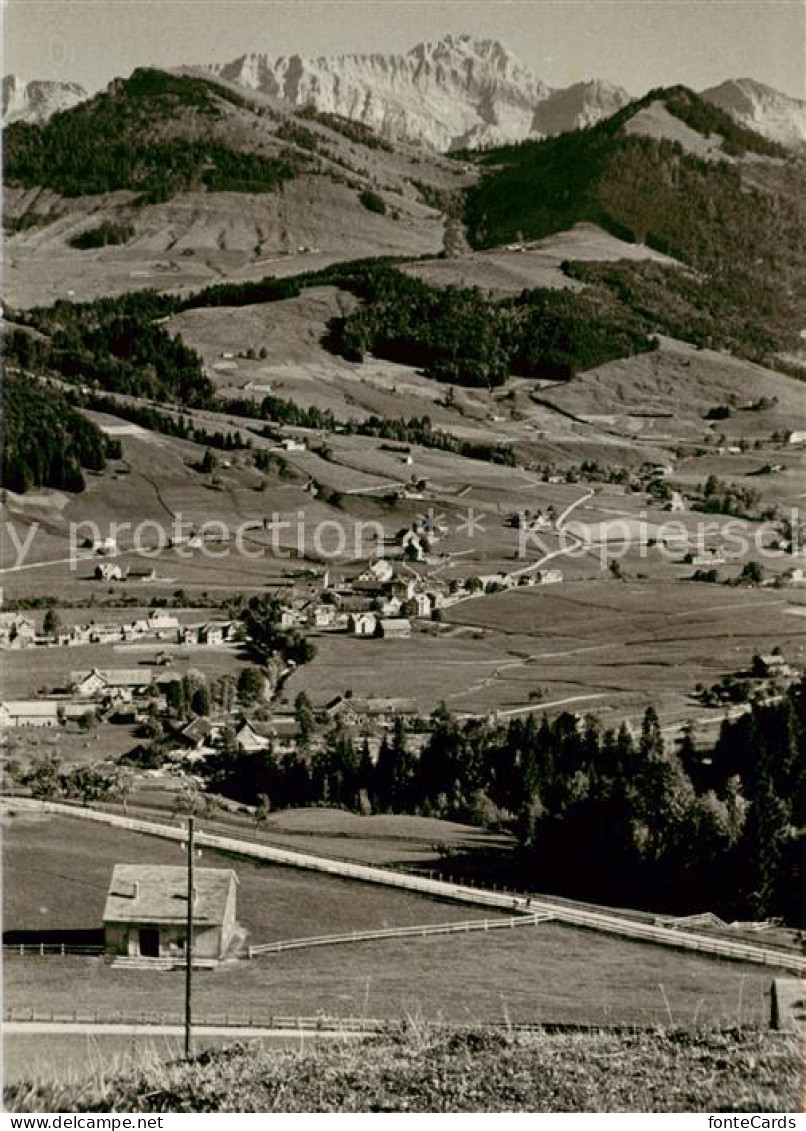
(508, 271)
(57, 871)
(385, 839)
(616, 646)
(50, 668)
(72, 746)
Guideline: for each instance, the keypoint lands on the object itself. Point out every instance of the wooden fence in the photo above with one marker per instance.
(605, 921)
(399, 933)
(27, 950)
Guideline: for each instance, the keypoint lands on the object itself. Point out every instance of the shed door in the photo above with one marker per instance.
(149, 942)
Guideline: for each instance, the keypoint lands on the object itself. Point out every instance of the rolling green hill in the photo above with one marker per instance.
(728, 205)
(152, 133)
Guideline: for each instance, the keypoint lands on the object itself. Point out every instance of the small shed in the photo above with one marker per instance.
(146, 911)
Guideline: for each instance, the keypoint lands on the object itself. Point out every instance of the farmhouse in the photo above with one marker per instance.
(89, 683)
(418, 606)
(107, 571)
(379, 571)
(29, 713)
(412, 545)
(251, 737)
(323, 616)
(196, 733)
(146, 911)
(216, 632)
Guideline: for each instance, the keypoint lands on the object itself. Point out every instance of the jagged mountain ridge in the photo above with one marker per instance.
(37, 100)
(762, 108)
(458, 92)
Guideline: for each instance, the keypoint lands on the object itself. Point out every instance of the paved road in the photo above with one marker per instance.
(129, 1029)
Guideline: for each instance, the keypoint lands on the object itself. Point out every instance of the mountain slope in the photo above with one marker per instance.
(197, 180)
(762, 108)
(678, 174)
(457, 92)
(37, 100)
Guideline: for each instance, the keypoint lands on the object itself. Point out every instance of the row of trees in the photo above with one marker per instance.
(599, 813)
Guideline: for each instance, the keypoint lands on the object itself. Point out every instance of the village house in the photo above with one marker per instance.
(145, 915)
(419, 605)
(405, 587)
(197, 734)
(252, 737)
(16, 631)
(29, 713)
(391, 606)
(89, 684)
(216, 633)
(362, 624)
(322, 616)
(677, 503)
(773, 665)
(380, 572)
(284, 731)
(395, 628)
(412, 545)
(708, 557)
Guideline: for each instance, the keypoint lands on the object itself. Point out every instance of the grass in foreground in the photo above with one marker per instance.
(415, 1069)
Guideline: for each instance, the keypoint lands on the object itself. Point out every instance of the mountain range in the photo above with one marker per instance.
(37, 100)
(456, 93)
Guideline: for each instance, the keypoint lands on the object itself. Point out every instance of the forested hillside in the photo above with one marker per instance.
(152, 133)
(737, 223)
(45, 441)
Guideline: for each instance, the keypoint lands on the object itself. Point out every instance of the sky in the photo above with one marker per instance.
(636, 43)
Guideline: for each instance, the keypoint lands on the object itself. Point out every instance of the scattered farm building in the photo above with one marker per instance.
(16, 631)
(395, 628)
(89, 684)
(108, 571)
(419, 605)
(252, 737)
(196, 734)
(29, 713)
(146, 911)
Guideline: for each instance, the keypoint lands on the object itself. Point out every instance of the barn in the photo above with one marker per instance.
(146, 911)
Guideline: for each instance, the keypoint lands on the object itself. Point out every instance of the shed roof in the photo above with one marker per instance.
(160, 894)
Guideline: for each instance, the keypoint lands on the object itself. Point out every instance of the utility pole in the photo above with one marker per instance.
(189, 949)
